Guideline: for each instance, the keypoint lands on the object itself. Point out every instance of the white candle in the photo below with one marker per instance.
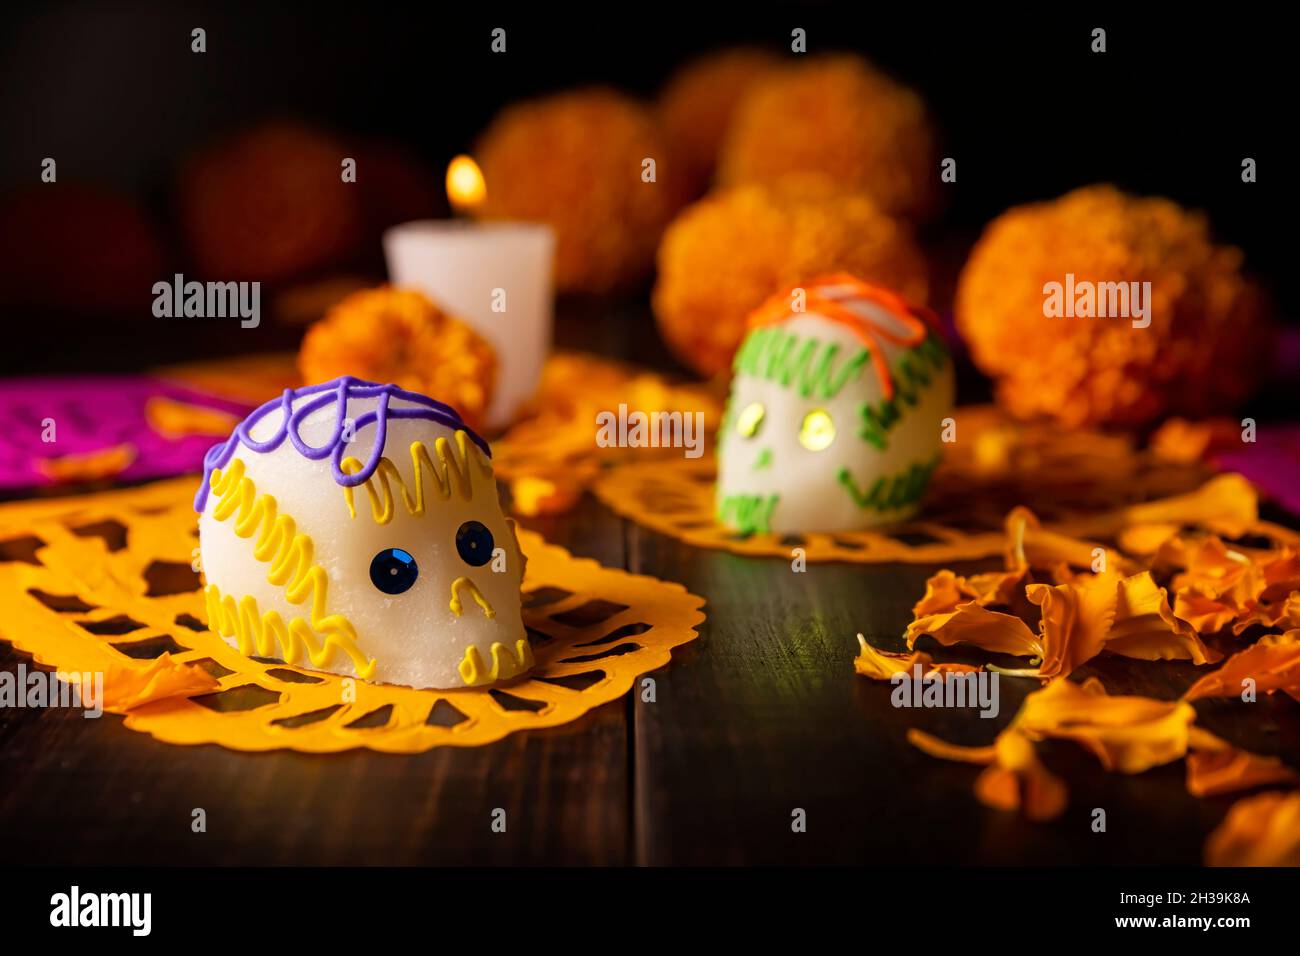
(495, 276)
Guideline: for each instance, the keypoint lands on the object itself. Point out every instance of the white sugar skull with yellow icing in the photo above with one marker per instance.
(355, 528)
(836, 414)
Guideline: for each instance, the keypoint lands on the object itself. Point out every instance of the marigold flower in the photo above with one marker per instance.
(574, 161)
(399, 336)
(726, 254)
(838, 116)
(268, 204)
(698, 102)
(1201, 352)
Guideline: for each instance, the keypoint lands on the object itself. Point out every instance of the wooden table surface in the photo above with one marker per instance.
(761, 715)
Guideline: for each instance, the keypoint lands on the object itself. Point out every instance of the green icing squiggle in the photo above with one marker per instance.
(915, 371)
(748, 514)
(891, 492)
(804, 363)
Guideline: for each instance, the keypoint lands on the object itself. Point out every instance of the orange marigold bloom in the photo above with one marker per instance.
(1201, 352)
(839, 116)
(399, 336)
(726, 254)
(698, 102)
(268, 204)
(574, 161)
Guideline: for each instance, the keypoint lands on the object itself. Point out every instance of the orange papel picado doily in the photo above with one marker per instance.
(1079, 483)
(104, 584)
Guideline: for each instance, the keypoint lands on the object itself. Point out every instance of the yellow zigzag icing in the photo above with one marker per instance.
(452, 471)
(260, 632)
(505, 663)
(463, 582)
(292, 567)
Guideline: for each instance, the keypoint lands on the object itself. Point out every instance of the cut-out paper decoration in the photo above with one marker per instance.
(89, 428)
(105, 583)
(839, 400)
(1084, 488)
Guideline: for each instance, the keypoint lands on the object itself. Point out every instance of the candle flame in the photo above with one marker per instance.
(465, 186)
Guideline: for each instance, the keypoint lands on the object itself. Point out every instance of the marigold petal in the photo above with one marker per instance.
(1263, 830)
(1145, 626)
(979, 627)
(1076, 620)
(1019, 781)
(127, 687)
(945, 751)
(1127, 734)
(1213, 773)
(1272, 664)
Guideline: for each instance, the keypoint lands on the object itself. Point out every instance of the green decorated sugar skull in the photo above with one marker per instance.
(837, 412)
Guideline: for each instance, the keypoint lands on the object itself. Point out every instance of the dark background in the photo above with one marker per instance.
(114, 93)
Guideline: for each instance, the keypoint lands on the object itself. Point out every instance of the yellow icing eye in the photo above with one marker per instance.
(750, 419)
(817, 431)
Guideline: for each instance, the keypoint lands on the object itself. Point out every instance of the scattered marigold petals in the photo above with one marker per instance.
(1148, 539)
(1205, 614)
(1125, 611)
(1226, 504)
(1076, 620)
(1127, 734)
(1211, 773)
(994, 587)
(1017, 780)
(929, 744)
(1145, 627)
(127, 687)
(943, 592)
(1046, 549)
(1263, 830)
(885, 665)
(1219, 585)
(1278, 603)
(979, 627)
(1273, 664)
(1183, 442)
(532, 495)
(175, 420)
(89, 466)
(1284, 613)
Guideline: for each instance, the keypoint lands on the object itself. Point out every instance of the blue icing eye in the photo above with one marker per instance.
(474, 543)
(393, 571)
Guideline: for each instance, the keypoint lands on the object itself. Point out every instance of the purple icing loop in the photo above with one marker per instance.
(340, 392)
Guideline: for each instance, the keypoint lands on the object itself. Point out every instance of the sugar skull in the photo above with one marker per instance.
(836, 414)
(355, 528)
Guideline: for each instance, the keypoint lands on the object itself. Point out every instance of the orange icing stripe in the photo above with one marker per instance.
(918, 321)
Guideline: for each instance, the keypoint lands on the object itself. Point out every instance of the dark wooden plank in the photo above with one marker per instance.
(764, 714)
